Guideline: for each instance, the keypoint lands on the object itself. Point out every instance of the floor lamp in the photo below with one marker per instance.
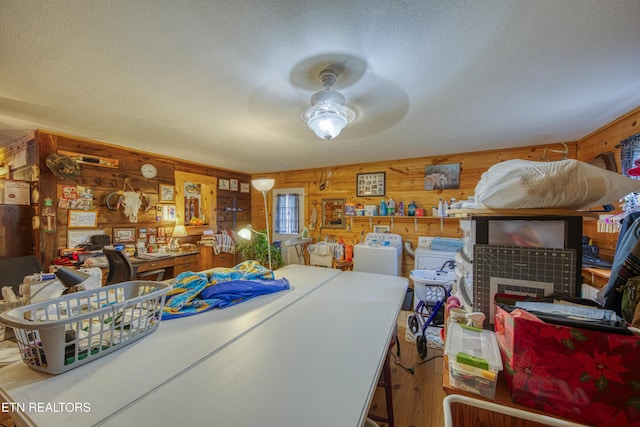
(264, 185)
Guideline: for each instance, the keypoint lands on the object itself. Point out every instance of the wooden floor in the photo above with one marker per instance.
(417, 397)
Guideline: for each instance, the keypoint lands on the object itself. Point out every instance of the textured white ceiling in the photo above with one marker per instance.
(223, 83)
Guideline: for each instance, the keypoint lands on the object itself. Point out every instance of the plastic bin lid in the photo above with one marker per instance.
(476, 343)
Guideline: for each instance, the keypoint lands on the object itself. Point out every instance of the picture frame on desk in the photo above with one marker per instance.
(124, 235)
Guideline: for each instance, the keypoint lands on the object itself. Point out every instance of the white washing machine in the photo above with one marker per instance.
(428, 259)
(379, 253)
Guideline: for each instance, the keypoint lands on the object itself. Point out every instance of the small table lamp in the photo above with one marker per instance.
(178, 231)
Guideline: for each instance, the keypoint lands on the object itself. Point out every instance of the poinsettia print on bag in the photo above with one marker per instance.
(588, 376)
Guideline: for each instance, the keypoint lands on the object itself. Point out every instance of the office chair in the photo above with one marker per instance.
(121, 269)
(13, 270)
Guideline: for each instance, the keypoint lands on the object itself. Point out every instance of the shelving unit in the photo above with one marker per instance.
(392, 219)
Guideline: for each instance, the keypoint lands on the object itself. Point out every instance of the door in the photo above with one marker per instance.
(288, 218)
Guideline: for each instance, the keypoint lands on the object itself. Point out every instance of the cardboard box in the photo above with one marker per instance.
(589, 376)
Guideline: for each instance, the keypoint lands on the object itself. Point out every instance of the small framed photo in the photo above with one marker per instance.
(223, 184)
(142, 233)
(166, 193)
(233, 184)
(169, 213)
(380, 228)
(82, 219)
(245, 187)
(370, 184)
(124, 235)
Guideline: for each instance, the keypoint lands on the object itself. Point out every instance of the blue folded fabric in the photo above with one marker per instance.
(221, 295)
(235, 291)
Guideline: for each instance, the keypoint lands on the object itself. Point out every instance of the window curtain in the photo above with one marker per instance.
(286, 214)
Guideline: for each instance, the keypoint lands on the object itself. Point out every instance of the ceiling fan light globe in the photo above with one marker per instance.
(327, 125)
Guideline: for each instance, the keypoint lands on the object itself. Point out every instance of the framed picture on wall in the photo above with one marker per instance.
(82, 219)
(370, 184)
(233, 184)
(245, 187)
(169, 213)
(77, 237)
(223, 184)
(166, 193)
(441, 177)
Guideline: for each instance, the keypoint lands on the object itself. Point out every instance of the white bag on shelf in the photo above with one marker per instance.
(525, 184)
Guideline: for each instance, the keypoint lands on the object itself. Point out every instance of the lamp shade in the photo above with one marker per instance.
(70, 277)
(263, 184)
(179, 231)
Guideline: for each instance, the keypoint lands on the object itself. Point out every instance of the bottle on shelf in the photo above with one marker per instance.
(412, 208)
(348, 251)
(339, 251)
(391, 207)
(383, 208)
(400, 209)
(48, 216)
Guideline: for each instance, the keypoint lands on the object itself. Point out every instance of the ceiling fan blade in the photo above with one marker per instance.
(380, 103)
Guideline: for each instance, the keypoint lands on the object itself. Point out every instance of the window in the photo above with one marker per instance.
(286, 216)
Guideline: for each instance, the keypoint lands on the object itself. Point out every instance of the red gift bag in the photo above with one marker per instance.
(589, 376)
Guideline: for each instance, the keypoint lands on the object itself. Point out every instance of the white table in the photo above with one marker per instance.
(291, 358)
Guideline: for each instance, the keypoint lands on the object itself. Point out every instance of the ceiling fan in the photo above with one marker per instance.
(377, 103)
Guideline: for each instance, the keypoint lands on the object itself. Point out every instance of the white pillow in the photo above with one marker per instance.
(521, 184)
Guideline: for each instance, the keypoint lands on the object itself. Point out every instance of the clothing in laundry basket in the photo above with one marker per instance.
(219, 288)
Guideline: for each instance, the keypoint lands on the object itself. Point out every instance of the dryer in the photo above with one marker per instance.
(379, 253)
(428, 259)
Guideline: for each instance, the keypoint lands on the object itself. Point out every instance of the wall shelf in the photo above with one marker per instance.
(467, 213)
(392, 219)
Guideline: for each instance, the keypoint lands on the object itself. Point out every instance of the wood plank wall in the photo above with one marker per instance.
(404, 182)
(607, 139)
(104, 180)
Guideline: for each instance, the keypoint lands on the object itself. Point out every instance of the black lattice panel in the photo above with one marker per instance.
(521, 271)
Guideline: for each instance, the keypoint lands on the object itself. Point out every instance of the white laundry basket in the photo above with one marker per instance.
(60, 334)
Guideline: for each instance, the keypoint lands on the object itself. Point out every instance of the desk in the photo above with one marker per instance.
(283, 359)
(173, 263)
(596, 277)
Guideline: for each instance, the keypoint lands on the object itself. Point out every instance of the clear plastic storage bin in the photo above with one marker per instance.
(474, 359)
(60, 334)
